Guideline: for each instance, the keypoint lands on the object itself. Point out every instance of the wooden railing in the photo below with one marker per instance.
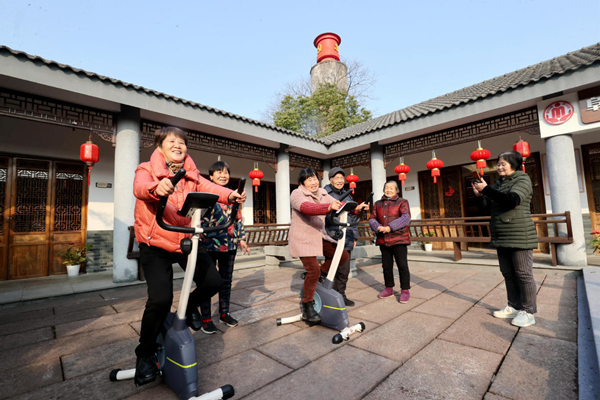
(449, 230)
(267, 234)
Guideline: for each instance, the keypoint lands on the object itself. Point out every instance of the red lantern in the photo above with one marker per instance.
(434, 165)
(479, 156)
(256, 175)
(402, 169)
(89, 154)
(522, 147)
(352, 179)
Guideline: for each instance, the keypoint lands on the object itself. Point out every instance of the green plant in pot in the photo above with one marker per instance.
(74, 257)
(427, 244)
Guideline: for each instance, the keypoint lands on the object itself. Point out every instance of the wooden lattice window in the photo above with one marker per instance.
(31, 195)
(69, 197)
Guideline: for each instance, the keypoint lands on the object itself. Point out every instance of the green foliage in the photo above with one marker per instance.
(75, 254)
(327, 111)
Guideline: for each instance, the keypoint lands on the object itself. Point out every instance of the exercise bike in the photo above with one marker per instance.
(176, 353)
(329, 303)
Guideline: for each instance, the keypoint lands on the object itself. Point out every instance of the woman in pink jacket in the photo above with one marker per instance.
(308, 238)
(159, 249)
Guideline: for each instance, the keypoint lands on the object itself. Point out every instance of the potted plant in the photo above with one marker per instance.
(73, 257)
(595, 242)
(428, 245)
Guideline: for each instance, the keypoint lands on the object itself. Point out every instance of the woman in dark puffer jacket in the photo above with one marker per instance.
(390, 219)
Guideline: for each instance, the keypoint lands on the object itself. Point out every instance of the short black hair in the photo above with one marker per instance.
(305, 174)
(514, 158)
(218, 166)
(161, 134)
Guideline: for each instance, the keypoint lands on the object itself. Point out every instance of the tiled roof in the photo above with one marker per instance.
(522, 77)
(140, 89)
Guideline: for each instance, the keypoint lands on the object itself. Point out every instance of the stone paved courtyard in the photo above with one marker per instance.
(443, 344)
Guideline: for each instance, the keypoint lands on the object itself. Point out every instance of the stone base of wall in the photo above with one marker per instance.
(100, 255)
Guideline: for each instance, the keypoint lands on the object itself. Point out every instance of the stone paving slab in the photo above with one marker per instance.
(556, 296)
(21, 339)
(547, 369)
(448, 305)
(24, 316)
(330, 375)
(54, 320)
(367, 295)
(302, 347)
(555, 321)
(418, 275)
(92, 324)
(438, 367)
(101, 357)
(426, 290)
(43, 351)
(402, 337)
(25, 379)
(30, 292)
(94, 386)
(479, 329)
(479, 285)
(251, 296)
(235, 371)
(383, 310)
(494, 300)
(492, 396)
(239, 339)
(263, 311)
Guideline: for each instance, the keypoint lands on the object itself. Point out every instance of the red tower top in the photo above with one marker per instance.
(327, 46)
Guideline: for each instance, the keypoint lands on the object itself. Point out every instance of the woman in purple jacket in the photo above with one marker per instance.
(390, 219)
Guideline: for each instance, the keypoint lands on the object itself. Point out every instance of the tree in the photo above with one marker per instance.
(328, 110)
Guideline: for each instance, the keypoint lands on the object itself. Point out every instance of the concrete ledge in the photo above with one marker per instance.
(587, 337)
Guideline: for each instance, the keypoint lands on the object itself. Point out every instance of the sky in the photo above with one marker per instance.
(236, 55)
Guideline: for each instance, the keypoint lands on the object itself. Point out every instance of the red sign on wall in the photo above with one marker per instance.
(558, 112)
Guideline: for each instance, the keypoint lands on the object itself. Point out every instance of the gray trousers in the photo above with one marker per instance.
(516, 266)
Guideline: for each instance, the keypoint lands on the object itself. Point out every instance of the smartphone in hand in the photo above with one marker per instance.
(476, 177)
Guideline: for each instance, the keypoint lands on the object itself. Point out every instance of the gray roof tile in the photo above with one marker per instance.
(141, 89)
(522, 77)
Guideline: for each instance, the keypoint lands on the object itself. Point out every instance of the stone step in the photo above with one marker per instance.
(588, 333)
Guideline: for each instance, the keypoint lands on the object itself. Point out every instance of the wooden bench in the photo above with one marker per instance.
(267, 235)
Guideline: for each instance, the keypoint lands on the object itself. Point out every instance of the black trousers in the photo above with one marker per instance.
(516, 266)
(158, 270)
(224, 260)
(341, 276)
(399, 252)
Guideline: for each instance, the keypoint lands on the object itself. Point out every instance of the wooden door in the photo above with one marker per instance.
(43, 208)
(443, 199)
(5, 218)
(591, 166)
(29, 222)
(264, 203)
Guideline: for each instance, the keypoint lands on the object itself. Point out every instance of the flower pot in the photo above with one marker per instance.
(428, 246)
(73, 270)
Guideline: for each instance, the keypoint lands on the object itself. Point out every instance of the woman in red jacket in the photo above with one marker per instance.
(390, 219)
(159, 248)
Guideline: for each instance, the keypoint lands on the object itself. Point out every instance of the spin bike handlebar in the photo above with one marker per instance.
(333, 212)
(162, 204)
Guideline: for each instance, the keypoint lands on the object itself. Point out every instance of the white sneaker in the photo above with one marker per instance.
(506, 312)
(523, 319)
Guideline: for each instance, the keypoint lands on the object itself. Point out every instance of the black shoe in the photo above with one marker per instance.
(348, 302)
(194, 320)
(146, 370)
(228, 320)
(208, 327)
(309, 314)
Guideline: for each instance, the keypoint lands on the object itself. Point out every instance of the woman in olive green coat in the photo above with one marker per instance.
(513, 235)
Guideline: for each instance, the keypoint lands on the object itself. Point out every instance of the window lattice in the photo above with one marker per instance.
(32, 192)
(38, 108)
(353, 160)
(69, 198)
(213, 144)
(301, 161)
(3, 172)
(525, 120)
